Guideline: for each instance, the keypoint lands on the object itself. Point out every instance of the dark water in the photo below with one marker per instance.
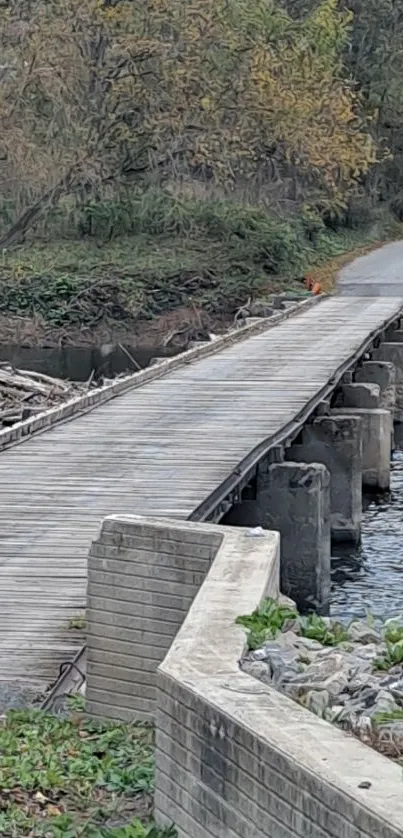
(371, 578)
(77, 363)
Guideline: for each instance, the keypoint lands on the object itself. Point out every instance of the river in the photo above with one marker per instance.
(370, 578)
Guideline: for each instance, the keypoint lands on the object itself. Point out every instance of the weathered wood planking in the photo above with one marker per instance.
(158, 450)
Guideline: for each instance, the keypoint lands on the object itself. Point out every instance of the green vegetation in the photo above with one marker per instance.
(75, 779)
(77, 623)
(138, 179)
(209, 255)
(267, 621)
(393, 637)
(385, 717)
(316, 628)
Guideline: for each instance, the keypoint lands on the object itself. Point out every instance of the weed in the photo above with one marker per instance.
(392, 656)
(393, 638)
(387, 716)
(393, 631)
(77, 623)
(316, 628)
(76, 703)
(154, 253)
(75, 779)
(265, 622)
(268, 620)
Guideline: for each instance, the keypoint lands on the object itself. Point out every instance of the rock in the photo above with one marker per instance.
(361, 632)
(328, 674)
(322, 669)
(337, 714)
(369, 652)
(260, 308)
(336, 683)
(317, 701)
(362, 703)
(385, 703)
(362, 680)
(288, 639)
(308, 644)
(292, 625)
(275, 649)
(278, 658)
(257, 669)
(397, 691)
(285, 676)
(286, 602)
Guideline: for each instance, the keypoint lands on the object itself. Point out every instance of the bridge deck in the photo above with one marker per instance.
(158, 450)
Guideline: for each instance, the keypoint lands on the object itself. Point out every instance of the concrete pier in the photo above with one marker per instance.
(358, 395)
(393, 353)
(382, 373)
(376, 436)
(362, 400)
(336, 441)
(294, 498)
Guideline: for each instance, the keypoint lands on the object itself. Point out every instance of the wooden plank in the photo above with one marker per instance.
(161, 449)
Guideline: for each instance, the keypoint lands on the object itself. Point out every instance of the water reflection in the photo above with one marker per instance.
(371, 578)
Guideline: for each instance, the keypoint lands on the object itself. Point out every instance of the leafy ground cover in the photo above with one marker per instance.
(168, 262)
(271, 618)
(74, 778)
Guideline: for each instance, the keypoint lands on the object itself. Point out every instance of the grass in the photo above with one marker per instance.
(158, 253)
(75, 779)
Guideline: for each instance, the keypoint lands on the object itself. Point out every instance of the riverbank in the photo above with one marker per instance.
(350, 675)
(185, 270)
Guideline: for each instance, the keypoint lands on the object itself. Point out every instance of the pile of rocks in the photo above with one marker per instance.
(354, 684)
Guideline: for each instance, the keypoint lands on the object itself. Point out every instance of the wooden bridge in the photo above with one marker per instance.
(176, 447)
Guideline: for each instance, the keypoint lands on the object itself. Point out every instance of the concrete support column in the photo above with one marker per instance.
(393, 353)
(383, 374)
(358, 395)
(376, 436)
(294, 498)
(362, 400)
(336, 441)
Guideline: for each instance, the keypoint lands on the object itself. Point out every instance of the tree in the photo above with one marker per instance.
(107, 91)
(375, 59)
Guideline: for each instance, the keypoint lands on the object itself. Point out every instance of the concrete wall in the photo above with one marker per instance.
(234, 758)
(142, 579)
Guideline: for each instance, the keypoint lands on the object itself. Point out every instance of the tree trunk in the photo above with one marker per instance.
(32, 215)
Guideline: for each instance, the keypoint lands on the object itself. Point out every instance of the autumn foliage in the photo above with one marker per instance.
(111, 93)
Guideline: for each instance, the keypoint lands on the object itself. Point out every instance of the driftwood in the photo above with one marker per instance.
(24, 393)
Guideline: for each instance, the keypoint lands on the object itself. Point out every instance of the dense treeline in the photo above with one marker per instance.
(298, 100)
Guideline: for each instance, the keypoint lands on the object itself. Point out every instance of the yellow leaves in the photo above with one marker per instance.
(216, 83)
